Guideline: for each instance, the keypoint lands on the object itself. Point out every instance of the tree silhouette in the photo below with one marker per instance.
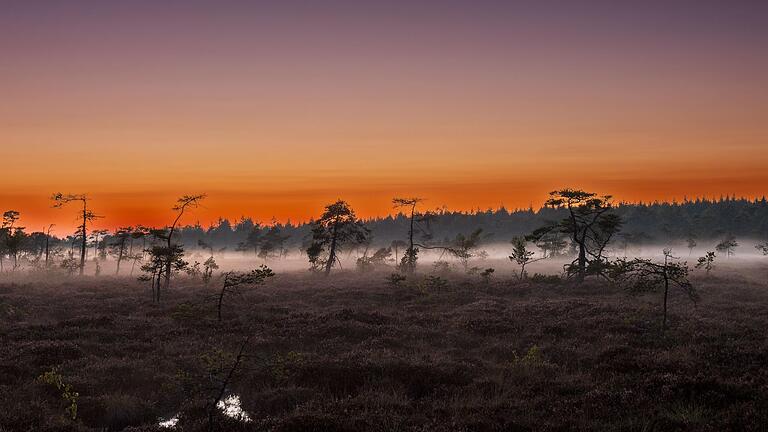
(253, 240)
(99, 246)
(690, 243)
(727, 246)
(163, 262)
(464, 247)
(234, 281)
(590, 223)
(643, 275)
(551, 244)
(120, 245)
(47, 244)
(707, 262)
(337, 227)
(396, 245)
(87, 216)
(521, 255)
(13, 236)
(410, 255)
(182, 204)
(272, 243)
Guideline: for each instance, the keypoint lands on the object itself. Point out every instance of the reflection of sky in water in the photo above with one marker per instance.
(230, 406)
(171, 422)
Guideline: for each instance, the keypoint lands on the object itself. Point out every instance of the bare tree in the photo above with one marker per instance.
(87, 216)
(47, 243)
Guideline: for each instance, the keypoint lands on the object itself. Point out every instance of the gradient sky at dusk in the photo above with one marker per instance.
(276, 108)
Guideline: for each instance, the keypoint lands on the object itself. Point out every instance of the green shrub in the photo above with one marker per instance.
(54, 378)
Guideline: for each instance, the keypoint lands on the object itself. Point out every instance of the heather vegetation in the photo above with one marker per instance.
(363, 351)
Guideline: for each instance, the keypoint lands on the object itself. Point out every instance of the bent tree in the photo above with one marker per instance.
(234, 281)
(643, 275)
(707, 262)
(182, 204)
(87, 216)
(590, 224)
(337, 227)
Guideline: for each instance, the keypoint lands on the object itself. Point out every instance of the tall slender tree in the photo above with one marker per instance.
(182, 205)
(47, 243)
(410, 256)
(87, 216)
(120, 245)
(13, 236)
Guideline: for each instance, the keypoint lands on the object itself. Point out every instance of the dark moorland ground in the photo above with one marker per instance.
(351, 353)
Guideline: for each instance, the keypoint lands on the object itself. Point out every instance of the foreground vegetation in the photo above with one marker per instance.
(359, 351)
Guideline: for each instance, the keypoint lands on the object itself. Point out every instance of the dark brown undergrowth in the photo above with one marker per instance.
(351, 353)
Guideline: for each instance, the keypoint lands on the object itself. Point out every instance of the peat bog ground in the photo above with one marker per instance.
(353, 353)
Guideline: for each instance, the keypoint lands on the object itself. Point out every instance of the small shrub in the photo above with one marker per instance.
(433, 283)
(54, 378)
(187, 312)
(10, 312)
(546, 279)
(533, 358)
(283, 366)
(395, 280)
(486, 274)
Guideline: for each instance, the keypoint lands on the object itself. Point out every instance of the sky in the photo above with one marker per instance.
(275, 108)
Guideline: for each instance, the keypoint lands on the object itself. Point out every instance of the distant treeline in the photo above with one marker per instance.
(643, 223)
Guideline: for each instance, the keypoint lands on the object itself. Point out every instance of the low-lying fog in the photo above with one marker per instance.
(496, 256)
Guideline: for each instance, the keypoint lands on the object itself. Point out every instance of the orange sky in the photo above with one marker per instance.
(275, 111)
